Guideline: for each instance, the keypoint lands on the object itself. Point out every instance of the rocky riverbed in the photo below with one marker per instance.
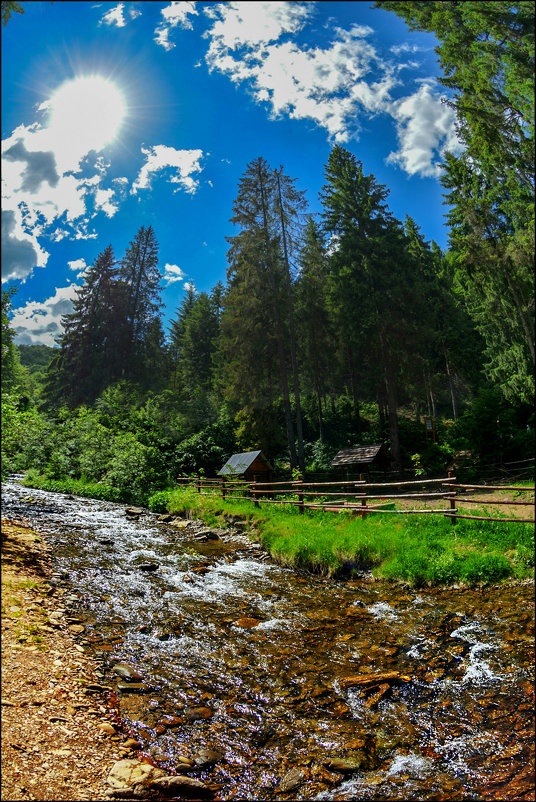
(257, 682)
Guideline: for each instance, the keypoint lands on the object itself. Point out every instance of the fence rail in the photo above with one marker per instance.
(353, 496)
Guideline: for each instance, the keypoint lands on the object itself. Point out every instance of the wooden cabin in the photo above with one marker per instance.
(360, 458)
(250, 466)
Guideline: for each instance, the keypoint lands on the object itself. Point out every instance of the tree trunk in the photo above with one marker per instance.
(451, 386)
(392, 404)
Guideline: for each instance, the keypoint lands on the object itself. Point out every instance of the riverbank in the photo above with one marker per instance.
(58, 738)
(418, 550)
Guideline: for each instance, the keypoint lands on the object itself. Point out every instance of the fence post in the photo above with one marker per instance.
(254, 486)
(364, 507)
(223, 487)
(300, 494)
(198, 481)
(452, 502)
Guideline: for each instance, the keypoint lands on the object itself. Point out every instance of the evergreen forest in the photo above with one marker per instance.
(330, 330)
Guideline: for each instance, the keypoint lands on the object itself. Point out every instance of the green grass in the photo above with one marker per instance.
(78, 487)
(419, 550)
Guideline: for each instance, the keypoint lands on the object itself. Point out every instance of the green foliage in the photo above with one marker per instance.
(159, 501)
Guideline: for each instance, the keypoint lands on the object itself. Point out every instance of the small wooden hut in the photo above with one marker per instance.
(250, 466)
(362, 457)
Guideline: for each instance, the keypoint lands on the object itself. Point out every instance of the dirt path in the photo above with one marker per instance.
(53, 743)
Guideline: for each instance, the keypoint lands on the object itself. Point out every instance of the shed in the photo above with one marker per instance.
(251, 465)
(363, 457)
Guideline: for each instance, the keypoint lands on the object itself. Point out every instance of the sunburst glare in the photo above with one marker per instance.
(87, 111)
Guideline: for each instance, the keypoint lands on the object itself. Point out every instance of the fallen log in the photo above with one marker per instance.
(364, 680)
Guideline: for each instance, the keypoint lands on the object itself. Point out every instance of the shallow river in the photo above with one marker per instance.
(255, 663)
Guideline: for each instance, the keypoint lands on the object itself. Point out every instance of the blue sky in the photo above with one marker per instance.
(117, 115)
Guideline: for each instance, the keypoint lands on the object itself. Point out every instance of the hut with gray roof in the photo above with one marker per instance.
(250, 466)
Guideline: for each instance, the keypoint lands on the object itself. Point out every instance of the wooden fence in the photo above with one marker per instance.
(355, 496)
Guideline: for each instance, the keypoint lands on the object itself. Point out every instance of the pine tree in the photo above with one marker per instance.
(255, 258)
(87, 360)
(486, 51)
(140, 275)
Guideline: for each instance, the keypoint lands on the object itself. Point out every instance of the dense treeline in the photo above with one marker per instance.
(333, 329)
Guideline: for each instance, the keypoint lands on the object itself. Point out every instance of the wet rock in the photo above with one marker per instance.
(197, 713)
(125, 671)
(353, 761)
(148, 567)
(207, 534)
(262, 736)
(133, 687)
(106, 541)
(170, 721)
(247, 623)
(134, 511)
(76, 629)
(291, 780)
(165, 518)
(177, 523)
(206, 757)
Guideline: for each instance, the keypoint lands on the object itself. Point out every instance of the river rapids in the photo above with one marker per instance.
(266, 668)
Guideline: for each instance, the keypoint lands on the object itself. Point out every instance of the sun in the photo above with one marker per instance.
(87, 110)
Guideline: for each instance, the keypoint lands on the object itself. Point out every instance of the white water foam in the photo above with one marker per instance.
(477, 669)
(412, 764)
(383, 610)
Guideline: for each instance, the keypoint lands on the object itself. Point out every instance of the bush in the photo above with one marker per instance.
(159, 501)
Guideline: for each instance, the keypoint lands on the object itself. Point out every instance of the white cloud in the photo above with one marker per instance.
(172, 273)
(21, 251)
(134, 12)
(336, 86)
(326, 85)
(426, 129)
(177, 13)
(160, 157)
(39, 323)
(114, 16)
(80, 266)
(103, 200)
(189, 285)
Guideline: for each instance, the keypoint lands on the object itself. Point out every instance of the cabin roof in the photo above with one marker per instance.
(239, 463)
(358, 455)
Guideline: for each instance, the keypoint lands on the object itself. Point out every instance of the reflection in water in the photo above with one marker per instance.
(306, 688)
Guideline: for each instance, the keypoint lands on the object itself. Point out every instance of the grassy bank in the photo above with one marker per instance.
(78, 487)
(416, 549)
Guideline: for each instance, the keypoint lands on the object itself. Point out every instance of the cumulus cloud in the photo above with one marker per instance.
(40, 166)
(21, 251)
(426, 129)
(335, 86)
(172, 273)
(39, 323)
(327, 85)
(183, 164)
(114, 16)
(80, 266)
(103, 200)
(177, 13)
